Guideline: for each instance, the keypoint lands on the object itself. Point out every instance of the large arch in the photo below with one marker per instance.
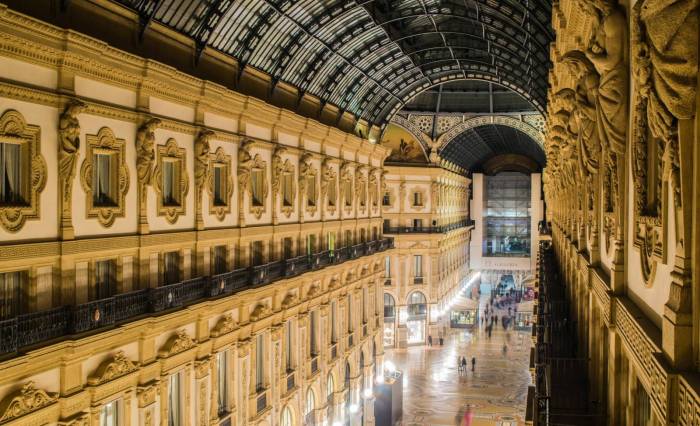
(471, 123)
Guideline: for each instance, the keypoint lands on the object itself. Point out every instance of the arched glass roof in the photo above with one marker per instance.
(370, 57)
(473, 147)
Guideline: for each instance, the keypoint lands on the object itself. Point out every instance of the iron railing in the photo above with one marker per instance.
(42, 327)
(438, 229)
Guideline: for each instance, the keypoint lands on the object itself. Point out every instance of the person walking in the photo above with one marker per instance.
(473, 363)
(464, 364)
(430, 340)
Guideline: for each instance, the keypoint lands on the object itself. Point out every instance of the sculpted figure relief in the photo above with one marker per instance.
(69, 138)
(201, 158)
(245, 164)
(607, 54)
(145, 152)
(277, 168)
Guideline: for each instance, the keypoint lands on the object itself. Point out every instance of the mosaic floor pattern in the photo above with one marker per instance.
(436, 394)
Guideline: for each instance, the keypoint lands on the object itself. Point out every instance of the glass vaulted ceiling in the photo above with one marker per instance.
(370, 57)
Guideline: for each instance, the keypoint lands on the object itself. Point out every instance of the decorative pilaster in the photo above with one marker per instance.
(68, 151)
(145, 157)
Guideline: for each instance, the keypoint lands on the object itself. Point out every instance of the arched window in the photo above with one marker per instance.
(417, 305)
(309, 418)
(330, 389)
(287, 419)
(389, 306)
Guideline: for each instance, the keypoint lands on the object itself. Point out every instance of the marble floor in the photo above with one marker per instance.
(436, 394)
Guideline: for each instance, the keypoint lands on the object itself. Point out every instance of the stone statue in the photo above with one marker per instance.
(245, 164)
(672, 38)
(69, 139)
(606, 52)
(145, 151)
(277, 168)
(201, 158)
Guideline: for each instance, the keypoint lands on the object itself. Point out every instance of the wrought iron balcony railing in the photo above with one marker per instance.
(427, 229)
(35, 328)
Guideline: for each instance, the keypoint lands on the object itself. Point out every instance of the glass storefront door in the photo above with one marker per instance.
(416, 331)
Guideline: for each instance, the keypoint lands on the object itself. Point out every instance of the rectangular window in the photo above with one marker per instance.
(313, 323)
(12, 294)
(171, 182)
(349, 312)
(364, 305)
(222, 381)
(334, 320)
(311, 191)
(288, 346)
(332, 193)
(387, 266)
(331, 242)
(348, 238)
(171, 267)
(256, 253)
(348, 193)
(287, 190)
(220, 261)
(310, 244)
(220, 177)
(109, 414)
(12, 186)
(363, 195)
(257, 181)
(417, 199)
(104, 186)
(175, 400)
(105, 280)
(387, 225)
(363, 237)
(386, 199)
(418, 266)
(259, 363)
(287, 248)
(417, 224)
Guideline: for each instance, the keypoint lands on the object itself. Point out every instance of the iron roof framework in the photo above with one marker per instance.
(471, 148)
(370, 57)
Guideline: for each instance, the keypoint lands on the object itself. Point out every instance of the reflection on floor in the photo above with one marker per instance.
(435, 394)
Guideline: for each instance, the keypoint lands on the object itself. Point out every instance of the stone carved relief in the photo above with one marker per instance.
(105, 143)
(281, 168)
(117, 366)
(260, 311)
(306, 174)
(25, 401)
(68, 151)
(345, 178)
(202, 171)
(225, 325)
(220, 159)
(374, 189)
(15, 130)
(328, 179)
(171, 152)
(361, 188)
(665, 48)
(145, 157)
(179, 342)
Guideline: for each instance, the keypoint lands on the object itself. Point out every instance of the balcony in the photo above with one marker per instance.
(427, 229)
(313, 365)
(351, 340)
(387, 281)
(41, 327)
(261, 402)
(291, 381)
(334, 351)
(417, 280)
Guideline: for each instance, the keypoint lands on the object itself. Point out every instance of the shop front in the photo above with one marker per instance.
(467, 318)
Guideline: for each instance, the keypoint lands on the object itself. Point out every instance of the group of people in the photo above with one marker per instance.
(490, 317)
(462, 365)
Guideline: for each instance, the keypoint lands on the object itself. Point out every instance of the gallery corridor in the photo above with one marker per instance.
(436, 394)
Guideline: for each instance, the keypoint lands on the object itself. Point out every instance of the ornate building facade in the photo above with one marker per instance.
(425, 210)
(622, 196)
(174, 252)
